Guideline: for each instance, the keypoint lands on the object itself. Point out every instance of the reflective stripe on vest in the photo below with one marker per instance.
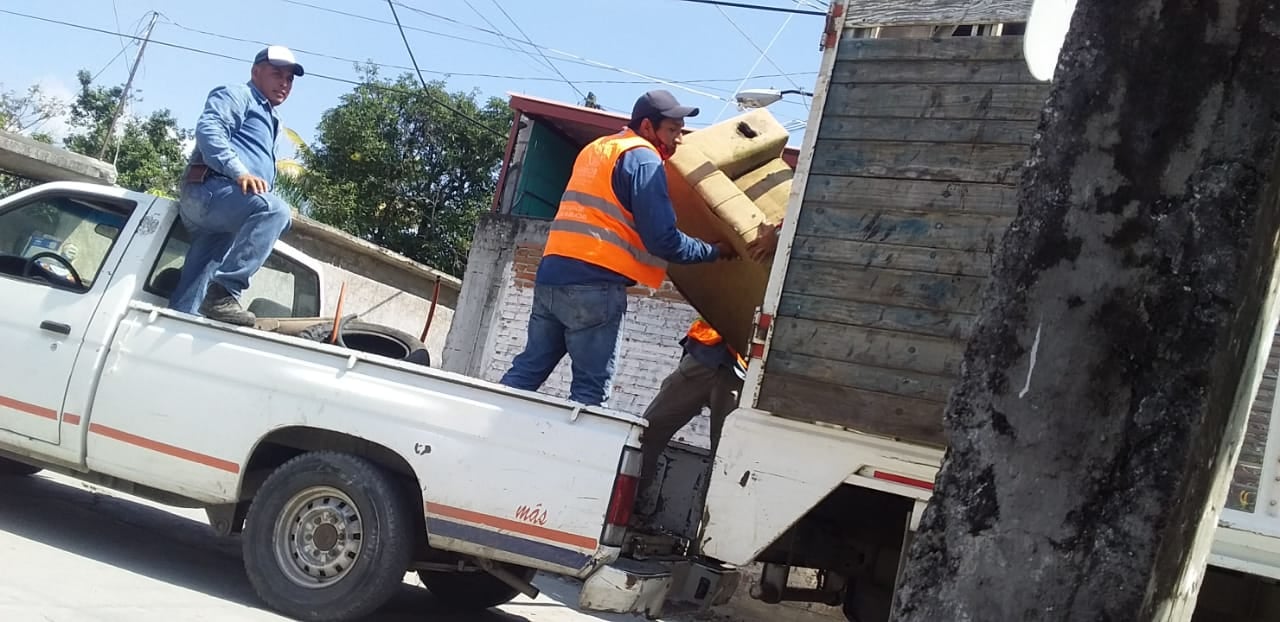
(592, 226)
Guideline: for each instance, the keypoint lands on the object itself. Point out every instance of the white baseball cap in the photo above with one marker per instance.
(279, 56)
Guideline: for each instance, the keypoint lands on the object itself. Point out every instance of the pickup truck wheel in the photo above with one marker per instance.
(328, 537)
(472, 590)
(13, 468)
(374, 339)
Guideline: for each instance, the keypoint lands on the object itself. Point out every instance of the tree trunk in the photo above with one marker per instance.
(1112, 363)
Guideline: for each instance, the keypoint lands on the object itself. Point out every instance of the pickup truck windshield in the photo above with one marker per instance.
(282, 288)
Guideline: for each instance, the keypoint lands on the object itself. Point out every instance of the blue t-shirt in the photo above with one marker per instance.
(640, 182)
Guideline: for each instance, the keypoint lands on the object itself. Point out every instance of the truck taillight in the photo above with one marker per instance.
(623, 500)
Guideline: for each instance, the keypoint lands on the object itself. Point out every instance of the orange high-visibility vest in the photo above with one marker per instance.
(591, 224)
(703, 333)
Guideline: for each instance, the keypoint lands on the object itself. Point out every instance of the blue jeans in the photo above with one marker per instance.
(583, 321)
(232, 234)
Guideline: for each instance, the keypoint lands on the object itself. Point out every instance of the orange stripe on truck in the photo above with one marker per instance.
(30, 409)
(164, 448)
(506, 524)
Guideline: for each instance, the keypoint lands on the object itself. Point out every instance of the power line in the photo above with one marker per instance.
(579, 59)
(405, 38)
(320, 76)
(759, 7)
(169, 21)
(763, 53)
(540, 53)
(506, 43)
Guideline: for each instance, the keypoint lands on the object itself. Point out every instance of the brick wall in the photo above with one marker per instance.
(655, 322)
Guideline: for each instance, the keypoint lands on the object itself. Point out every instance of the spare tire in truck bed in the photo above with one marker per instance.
(372, 338)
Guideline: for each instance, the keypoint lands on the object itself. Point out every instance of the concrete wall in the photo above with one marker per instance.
(383, 287)
(492, 318)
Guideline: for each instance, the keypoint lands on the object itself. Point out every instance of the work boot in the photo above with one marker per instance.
(220, 305)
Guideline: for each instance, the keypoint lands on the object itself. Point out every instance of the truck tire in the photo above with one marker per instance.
(13, 468)
(328, 537)
(472, 591)
(372, 338)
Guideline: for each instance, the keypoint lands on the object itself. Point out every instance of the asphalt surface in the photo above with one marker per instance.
(71, 552)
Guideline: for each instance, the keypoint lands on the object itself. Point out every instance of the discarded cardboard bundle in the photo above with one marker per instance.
(726, 182)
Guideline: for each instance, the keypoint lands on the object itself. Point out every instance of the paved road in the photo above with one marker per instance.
(70, 552)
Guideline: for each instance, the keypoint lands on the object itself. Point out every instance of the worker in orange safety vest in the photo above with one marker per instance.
(615, 227)
(709, 375)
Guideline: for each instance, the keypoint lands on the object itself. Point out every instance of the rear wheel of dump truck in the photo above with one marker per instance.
(329, 536)
(13, 468)
(372, 338)
(473, 591)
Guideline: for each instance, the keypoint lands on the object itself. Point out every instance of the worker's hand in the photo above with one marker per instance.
(726, 250)
(766, 243)
(250, 184)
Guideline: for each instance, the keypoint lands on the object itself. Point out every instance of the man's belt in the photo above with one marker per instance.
(199, 173)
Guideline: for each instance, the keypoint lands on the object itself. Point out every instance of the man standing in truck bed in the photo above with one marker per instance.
(615, 227)
(227, 205)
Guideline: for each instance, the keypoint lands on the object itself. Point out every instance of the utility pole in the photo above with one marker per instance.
(124, 95)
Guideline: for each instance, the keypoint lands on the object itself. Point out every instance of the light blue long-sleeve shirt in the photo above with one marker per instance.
(236, 133)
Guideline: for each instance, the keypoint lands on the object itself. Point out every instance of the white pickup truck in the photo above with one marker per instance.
(342, 470)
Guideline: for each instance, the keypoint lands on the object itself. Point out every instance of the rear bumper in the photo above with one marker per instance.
(627, 586)
(645, 587)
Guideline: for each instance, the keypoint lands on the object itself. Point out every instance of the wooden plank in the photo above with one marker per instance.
(854, 376)
(940, 230)
(873, 193)
(930, 130)
(863, 13)
(912, 420)
(992, 164)
(943, 324)
(867, 346)
(898, 288)
(860, 254)
(919, 71)
(1017, 102)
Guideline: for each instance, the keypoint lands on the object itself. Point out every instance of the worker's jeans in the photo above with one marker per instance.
(232, 234)
(682, 397)
(583, 321)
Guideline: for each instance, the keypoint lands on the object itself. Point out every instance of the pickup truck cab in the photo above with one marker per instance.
(341, 470)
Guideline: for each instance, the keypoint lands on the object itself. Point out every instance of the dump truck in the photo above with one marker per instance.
(906, 182)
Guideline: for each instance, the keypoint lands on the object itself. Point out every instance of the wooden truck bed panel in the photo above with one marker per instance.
(913, 183)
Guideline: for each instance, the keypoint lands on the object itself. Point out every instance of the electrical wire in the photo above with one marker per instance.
(478, 123)
(405, 38)
(506, 43)
(759, 7)
(169, 21)
(763, 53)
(539, 49)
(569, 55)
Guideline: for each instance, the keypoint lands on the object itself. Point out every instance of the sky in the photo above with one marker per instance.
(615, 48)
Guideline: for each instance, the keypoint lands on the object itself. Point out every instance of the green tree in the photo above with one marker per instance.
(406, 167)
(147, 151)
